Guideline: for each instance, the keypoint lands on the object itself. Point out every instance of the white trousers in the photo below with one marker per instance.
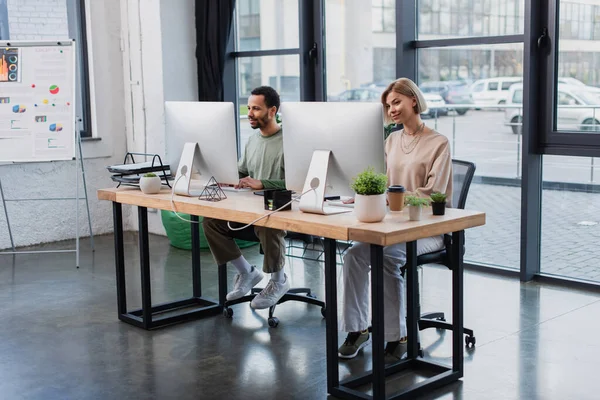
(356, 306)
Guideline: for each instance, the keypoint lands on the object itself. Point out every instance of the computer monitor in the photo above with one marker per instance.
(212, 126)
(349, 137)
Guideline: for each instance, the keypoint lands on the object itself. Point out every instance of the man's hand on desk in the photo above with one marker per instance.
(251, 183)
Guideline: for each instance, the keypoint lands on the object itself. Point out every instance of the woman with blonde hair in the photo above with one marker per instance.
(418, 158)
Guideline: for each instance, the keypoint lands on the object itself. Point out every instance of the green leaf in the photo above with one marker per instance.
(369, 183)
(438, 197)
(416, 201)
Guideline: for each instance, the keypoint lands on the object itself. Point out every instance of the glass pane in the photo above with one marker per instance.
(266, 25)
(280, 72)
(361, 58)
(459, 18)
(571, 217)
(476, 112)
(578, 89)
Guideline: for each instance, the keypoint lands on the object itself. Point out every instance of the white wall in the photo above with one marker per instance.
(46, 221)
(180, 68)
(130, 44)
(36, 20)
(159, 57)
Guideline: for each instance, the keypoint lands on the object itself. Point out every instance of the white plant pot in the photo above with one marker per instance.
(150, 184)
(370, 208)
(414, 213)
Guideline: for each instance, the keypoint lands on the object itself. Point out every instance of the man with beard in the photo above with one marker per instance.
(261, 167)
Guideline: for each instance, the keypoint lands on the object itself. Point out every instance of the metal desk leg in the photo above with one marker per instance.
(333, 373)
(458, 241)
(378, 321)
(119, 259)
(196, 274)
(145, 267)
(412, 300)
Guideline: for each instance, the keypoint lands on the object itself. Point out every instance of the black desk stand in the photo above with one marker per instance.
(151, 317)
(445, 374)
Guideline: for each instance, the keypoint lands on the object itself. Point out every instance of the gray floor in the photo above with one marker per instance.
(60, 337)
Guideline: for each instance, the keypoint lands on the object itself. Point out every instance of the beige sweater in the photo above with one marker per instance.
(427, 169)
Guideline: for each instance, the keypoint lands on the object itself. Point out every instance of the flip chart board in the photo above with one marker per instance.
(37, 101)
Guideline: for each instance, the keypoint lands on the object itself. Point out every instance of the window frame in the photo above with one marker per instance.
(551, 140)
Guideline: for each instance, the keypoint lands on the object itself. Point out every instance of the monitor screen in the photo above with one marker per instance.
(353, 132)
(212, 126)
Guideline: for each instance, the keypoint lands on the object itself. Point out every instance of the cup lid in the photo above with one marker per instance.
(396, 189)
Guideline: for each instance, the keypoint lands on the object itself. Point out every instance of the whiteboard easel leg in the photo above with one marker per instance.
(87, 204)
(12, 243)
(77, 159)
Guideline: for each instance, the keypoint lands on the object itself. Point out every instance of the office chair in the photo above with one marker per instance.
(304, 295)
(462, 175)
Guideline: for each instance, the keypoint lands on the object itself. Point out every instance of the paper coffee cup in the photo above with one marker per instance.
(396, 197)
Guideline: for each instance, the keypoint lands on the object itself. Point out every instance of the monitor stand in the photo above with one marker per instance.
(188, 166)
(312, 200)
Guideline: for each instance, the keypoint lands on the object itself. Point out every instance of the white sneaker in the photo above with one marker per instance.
(244, 282)
(271, 294)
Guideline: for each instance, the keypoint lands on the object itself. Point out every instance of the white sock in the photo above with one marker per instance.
(278, 277)
(241, 265)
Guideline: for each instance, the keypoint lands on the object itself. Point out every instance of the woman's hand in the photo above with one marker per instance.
(348, 201)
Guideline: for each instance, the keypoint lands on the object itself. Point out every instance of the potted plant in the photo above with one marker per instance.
(369, 203)
(415, 204)
(150, 183)
(438, 203)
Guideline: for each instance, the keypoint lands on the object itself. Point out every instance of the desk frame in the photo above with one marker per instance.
(151, 317)
(444, 374)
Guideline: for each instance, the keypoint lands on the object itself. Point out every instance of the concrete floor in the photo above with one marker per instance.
(60, 337)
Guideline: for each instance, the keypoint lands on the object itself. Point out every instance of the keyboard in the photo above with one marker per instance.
(232, 189)
(338, 203)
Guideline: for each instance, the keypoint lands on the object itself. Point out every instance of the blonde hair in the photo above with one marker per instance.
(408, 88)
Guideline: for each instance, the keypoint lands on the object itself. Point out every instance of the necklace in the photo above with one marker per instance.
(408, 148)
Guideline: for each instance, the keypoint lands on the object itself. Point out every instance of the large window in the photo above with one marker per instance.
(266, 53)
(578, 76)
(570, 217)
(459, 18)
(470, 80)
(58, 20)
(360, 59)
(266, 25)
(384, 16)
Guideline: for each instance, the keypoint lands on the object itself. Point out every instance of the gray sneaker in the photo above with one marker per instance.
(353, 343)
(395, 351)
(271, 294)
(242, 283)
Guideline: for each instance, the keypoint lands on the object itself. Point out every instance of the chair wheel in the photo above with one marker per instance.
(323, 311)
(311, 295)
(470, 341)
(227, 312)
(441, 319)
(273, 322)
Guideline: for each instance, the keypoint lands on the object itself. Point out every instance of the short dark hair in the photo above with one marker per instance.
(270, 94)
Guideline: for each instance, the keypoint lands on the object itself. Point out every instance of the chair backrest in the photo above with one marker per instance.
(462, 175)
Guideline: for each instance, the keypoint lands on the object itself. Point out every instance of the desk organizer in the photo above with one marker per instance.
(276, 198)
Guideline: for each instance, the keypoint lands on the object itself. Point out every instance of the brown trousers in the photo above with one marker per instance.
(224, 249)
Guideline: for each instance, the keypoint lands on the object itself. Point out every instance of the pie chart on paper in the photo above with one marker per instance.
(54, 89)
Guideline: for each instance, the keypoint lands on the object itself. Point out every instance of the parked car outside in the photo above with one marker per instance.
(574, 111)
(576, 82)
(493, 91)
(453, 92)
(435, 103)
